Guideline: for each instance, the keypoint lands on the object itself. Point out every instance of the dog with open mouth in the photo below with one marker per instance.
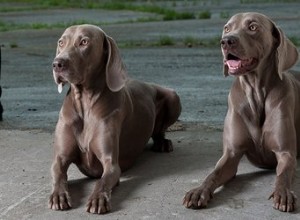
(263, 116)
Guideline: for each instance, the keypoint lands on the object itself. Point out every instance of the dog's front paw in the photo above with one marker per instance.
(99, 203)
(284, 200)
(197, 198)
(59, 200)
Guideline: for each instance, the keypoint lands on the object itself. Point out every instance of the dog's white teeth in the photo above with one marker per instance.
(60, 87)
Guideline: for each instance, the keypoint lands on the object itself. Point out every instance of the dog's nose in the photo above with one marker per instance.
(59, 65)
(229, 42)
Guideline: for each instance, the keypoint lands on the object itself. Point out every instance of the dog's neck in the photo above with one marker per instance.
(94, 81)
(261, 80)
(256, 86)
(254, 93)
(84, 99)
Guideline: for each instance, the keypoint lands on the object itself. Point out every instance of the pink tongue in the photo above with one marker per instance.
(234, 63)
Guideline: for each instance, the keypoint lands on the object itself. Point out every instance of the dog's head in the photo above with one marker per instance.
(250, 40)
(86, 56)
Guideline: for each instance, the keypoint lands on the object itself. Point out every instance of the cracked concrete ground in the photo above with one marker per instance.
(154, 188)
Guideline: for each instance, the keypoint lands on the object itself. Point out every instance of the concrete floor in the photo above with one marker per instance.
(154, 188)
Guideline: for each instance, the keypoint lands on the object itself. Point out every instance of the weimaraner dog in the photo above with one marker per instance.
(106, 119)
(263, 117)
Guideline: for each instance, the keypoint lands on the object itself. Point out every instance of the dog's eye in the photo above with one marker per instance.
(252, 27)
(60, 43)
(83, 42)
(226, 29)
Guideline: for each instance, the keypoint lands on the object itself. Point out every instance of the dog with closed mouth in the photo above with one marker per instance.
(106, 119)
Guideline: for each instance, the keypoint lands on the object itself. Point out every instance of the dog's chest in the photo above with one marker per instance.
(85, 125)
(84, 134)
(250, 102)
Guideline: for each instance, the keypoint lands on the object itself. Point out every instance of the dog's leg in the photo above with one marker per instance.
(283, 198)
(106, 148)
(282, 140)
(60, 199)
(235, 143)
(100, 200)
(168, 109)
(225, 170)
(65, 153)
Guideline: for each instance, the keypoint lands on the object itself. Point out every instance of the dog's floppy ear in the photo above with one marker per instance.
(286, 52)
(115, 72)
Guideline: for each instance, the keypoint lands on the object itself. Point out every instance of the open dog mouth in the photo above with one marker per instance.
(237, 66)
